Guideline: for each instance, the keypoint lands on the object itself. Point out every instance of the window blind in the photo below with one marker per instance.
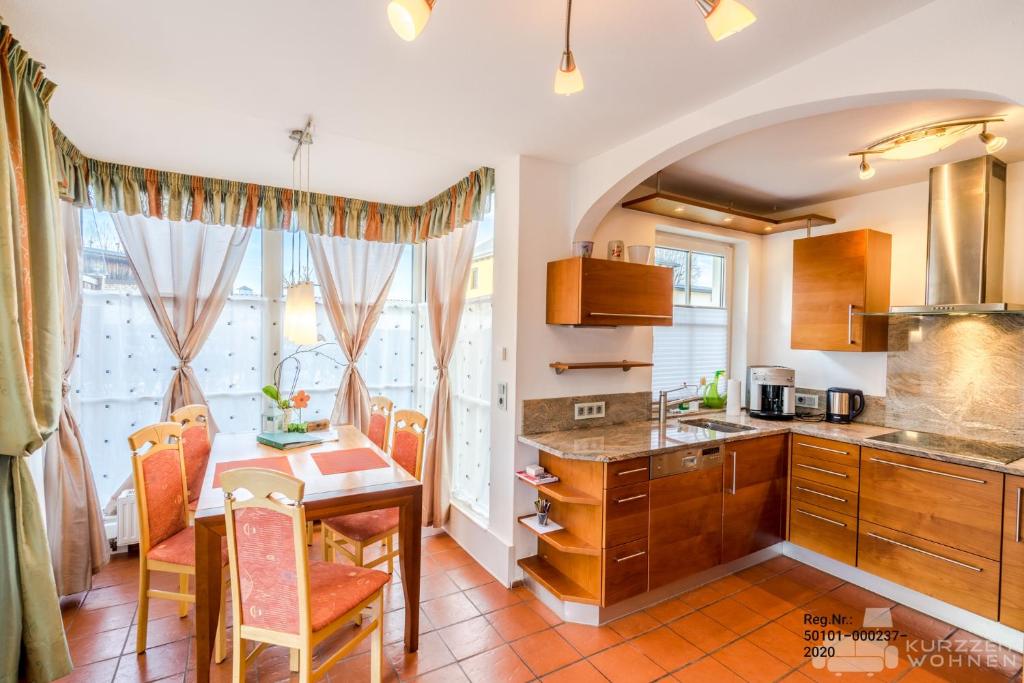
(695, 346)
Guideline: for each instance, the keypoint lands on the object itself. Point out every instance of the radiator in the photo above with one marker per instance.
(127, 519)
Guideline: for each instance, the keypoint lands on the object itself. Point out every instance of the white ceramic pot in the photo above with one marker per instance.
(616, 250)
(584, 249)
(639, 253)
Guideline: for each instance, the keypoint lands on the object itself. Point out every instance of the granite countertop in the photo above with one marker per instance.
(612, 443)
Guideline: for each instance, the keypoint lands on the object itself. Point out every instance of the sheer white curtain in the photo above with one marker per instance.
(354, 277)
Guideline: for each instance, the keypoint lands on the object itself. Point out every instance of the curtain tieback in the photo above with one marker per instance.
(65, 388)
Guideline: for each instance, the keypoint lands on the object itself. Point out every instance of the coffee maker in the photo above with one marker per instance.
(771, 392)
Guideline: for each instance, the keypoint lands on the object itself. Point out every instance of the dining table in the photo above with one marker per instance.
(355, 481)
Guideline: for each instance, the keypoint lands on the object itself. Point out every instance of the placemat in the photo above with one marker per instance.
(278, 464)
(349, 460)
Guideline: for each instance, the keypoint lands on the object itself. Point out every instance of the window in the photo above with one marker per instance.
(697, 343)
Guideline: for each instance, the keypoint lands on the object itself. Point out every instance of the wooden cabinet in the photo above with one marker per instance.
(625, 571)
(1011, 611)
(755, 495)
(686, 525)
(835, 276)
(824, 531)
(824, 497)
(626, 510)
(957, 506)
(595, 292)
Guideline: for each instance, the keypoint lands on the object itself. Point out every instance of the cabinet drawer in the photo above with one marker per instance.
(823, 531)
(625, 571)
(827, 449)
(957, 506)
(824, 496)
(626, 472)
(959, 578)
(626, 512)
(835, 474)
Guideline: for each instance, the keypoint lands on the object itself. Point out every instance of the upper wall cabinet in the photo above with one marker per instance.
(835, 278)
(595, 292)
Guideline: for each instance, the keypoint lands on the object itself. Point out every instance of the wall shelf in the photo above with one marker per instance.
(625, 365)
(563, 540)
(556, 582)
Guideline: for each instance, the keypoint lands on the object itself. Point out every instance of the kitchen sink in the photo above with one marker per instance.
(717, 426)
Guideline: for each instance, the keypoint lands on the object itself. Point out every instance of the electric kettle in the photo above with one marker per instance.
(843, 405)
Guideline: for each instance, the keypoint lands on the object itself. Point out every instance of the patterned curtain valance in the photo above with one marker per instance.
(176, 196)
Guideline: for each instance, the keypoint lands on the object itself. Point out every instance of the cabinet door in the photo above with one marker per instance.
(755, 494)
(1011, 610)
(686, 525)
(616, 293)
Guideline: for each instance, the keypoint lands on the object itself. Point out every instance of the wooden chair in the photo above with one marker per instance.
(195, 434)
(166, 542)
(350, 535)
(381, 409)
(288, 600)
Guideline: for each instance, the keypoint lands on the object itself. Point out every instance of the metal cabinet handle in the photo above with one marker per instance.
(925, 552)
(630, 557)
(824, 519)
(733, 491)
(849, 325)
(625, 472)
(629, 315)
(823, 470)
(629, 498)
(822, 448)
(928, 471)
(819, 493)
(1017, 539)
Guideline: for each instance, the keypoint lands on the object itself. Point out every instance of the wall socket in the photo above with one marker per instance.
(589, 411)
(806, 400)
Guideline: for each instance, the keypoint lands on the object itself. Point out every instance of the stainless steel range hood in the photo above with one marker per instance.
(966, 230)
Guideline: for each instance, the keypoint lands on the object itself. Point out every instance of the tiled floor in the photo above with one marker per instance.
(745, 627)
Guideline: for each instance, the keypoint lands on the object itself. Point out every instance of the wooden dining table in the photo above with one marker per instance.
(326, 495)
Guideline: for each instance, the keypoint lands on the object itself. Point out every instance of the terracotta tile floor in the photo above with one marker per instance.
(745, 627)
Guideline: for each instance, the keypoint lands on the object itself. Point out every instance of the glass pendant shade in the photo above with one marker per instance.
(300, 314)
(922, 144)
(568, 79)
(726, 17)
(867, 171)
(408, 17)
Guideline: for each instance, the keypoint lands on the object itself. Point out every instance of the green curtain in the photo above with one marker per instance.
(32, 643)
(178, 197)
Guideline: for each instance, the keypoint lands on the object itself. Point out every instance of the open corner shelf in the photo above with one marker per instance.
(556, 582)
(563, 540)
(564, 493)
(624, 365)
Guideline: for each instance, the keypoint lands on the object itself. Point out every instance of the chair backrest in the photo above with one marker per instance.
(381, 410)
(158, 466)
(195, 433)
(407, 442)
(269, 562)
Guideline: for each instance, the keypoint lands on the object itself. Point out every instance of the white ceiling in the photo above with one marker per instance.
(213, 87)
(803, 162)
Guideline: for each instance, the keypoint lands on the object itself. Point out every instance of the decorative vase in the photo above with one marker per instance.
(272, 420)
(616, 248)
(287, 418)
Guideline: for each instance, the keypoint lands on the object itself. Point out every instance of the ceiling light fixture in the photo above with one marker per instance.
(929, 139)
(408, 17)
(993, 143)
(299, 303)
(867, 171)
(568, 79)
(725, 17)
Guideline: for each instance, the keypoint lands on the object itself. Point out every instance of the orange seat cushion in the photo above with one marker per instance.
(181, 549)
(337, 588)
(363, 525)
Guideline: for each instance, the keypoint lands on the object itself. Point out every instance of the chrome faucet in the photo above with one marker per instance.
(664, 404)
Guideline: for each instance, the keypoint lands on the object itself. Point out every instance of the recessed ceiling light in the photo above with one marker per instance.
(767, 228)
(679, 209)
(727, 219)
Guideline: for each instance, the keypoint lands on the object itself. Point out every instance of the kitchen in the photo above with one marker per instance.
(910, 489)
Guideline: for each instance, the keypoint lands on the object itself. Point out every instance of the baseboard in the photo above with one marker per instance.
(488, 550)
(961, 618)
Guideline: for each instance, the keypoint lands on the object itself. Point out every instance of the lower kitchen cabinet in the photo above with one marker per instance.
(625, 571)
(686, 525)
(824, 531)
(755, 495)
(954, 576)
(1011, 611)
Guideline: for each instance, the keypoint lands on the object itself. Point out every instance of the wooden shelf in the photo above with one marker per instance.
(555, 581)
(563, 540)
(625, 365)
(564, 493)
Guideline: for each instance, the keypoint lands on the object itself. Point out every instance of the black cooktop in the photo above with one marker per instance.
(986, 450)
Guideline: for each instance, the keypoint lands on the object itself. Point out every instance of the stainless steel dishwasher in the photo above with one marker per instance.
(685, 534)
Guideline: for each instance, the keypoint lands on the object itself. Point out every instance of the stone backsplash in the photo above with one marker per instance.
(957, 375)
(556, 414)
(874, 406)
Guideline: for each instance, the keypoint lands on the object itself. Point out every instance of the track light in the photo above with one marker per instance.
(867, 171)
(725, 17)
(408, 17)
(993, 143)
(568, 79)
